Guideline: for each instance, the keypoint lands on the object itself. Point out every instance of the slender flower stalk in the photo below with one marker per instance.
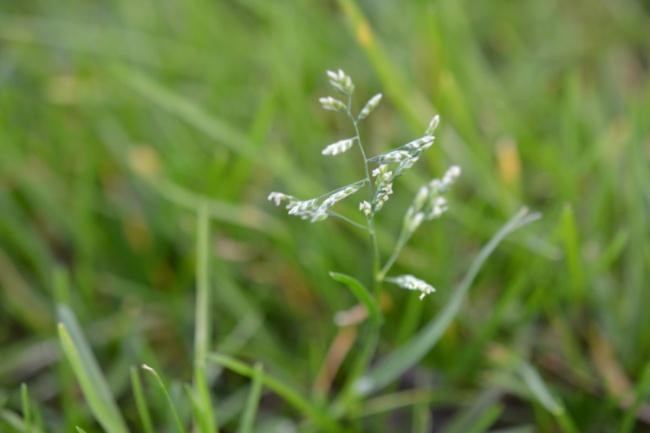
(380, 171)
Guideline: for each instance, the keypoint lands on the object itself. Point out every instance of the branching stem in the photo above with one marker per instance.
(404, 237)
(376, 260)
(347, 220)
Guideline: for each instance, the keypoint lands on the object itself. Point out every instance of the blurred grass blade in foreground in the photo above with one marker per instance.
(86, 369)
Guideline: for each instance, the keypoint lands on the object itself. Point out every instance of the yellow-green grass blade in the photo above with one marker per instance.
(85, 367)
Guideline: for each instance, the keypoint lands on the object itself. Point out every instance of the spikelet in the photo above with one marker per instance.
(366, 208)
(338, 147)
(384, 186)
(409, 282)
(332, 104)
(369, 107)
(341, 81)
(429, 203)
(433, 124)
(420, 144)
(278, 198)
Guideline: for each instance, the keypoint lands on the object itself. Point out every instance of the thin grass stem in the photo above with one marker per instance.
(347, 220)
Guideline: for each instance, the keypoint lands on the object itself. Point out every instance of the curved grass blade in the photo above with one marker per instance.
(543, 395)
(362, 294)
(290, 395)
(538, 388)
(172, 406)
(85, 367)
(401, 359)
(211, 126)
(252, 403)
(185, 109)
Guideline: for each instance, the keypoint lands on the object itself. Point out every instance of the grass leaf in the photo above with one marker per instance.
(542, 394)
(92, 382)
(27, 412)
(362, 294)
(246, 425)
(205, 421)
(170, 402)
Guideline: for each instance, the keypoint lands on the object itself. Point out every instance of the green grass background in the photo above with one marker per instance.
(117, 117)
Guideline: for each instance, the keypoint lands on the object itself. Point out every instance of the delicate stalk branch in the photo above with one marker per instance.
(334, 191)
(376, 260)
(401, 242)
(348, 220)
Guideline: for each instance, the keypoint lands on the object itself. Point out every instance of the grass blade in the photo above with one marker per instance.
(538, 388)
(186, 110)
(250, 411)
(27, 412)
(92, 382)
(290, 395)
(206, 412)
(202, 306)
(396, 363)
(572, 250)
(141, 402)
(411, 104)
(172, 406)
(362, 294)
(205, 421)
(542, 394)
(627, 424)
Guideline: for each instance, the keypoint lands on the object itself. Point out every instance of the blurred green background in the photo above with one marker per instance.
(117, 116)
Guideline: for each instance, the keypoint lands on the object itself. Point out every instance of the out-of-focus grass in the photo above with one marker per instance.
(116, 117)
